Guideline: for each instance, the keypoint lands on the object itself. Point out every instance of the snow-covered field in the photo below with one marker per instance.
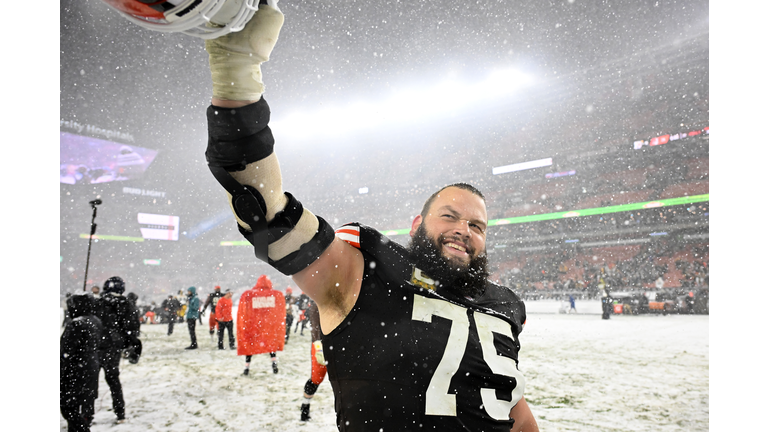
(629, 373)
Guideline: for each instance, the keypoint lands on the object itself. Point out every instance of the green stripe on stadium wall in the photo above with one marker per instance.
(111, 237)
(602, 210)
(235, 243)
(559, 215)
(585, 212)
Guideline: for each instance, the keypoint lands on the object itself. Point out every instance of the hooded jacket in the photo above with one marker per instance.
(261, 319)
(193, 304)
(80, 342)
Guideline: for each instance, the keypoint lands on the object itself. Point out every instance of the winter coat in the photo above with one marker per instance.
(193, 305)
(79, 344)
(135, 313)
(261, 320)
(120, 318)
(224, 310)
(172, 305)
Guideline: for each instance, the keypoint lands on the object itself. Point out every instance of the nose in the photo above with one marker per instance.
(461, 228)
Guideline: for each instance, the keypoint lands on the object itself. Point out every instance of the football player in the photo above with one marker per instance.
(415, 338)
(212, 300)
(317, 360)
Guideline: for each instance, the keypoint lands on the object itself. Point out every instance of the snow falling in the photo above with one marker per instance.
(629, 373)
(375, 83)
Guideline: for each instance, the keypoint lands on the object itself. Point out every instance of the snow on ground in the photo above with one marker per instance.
(629, 373)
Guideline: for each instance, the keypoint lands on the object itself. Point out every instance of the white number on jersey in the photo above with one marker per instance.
(438, 400)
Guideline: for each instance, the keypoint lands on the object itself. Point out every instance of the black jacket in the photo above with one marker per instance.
(80, 342)
(171, 305)
(120, 318)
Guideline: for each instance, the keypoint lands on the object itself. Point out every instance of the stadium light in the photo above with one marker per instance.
(522, 166)
(501, 83)
(406, 106)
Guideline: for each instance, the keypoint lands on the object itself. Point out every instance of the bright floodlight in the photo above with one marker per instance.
(502, 83)
(408, 106)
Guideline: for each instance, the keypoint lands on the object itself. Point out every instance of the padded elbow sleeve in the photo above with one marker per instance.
(240, 155)
(238, 136)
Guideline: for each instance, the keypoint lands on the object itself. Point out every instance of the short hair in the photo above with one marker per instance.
(464, 186)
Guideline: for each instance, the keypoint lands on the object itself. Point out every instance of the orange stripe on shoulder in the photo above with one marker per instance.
(350, 234)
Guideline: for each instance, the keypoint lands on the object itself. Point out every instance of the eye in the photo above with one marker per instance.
(449, 216)
(477, 227)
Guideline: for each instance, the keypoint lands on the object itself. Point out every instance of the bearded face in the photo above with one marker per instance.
(463, 278)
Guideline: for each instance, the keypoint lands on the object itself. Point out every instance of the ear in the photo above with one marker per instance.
(415, 224)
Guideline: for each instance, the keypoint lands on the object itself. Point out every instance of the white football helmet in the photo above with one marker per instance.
(206, 19)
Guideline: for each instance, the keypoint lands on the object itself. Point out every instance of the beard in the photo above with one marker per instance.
(460, 278)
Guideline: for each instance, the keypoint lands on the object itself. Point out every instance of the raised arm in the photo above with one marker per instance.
(240, 154)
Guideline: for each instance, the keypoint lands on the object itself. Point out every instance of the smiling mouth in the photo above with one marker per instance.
(456, 247)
